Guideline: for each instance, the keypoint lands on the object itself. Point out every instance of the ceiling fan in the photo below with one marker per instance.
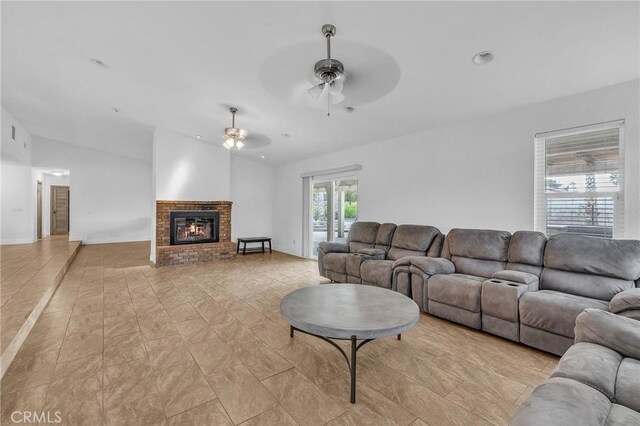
(329, 73)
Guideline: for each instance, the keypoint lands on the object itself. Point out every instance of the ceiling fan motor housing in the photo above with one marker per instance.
(328, 70)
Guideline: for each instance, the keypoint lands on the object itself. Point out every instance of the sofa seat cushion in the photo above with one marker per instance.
(377, 272)
(459, 290)
(627, 388)
(591, 364)
(619, 415)
(336, 262)
(563, 402)
(554, 311)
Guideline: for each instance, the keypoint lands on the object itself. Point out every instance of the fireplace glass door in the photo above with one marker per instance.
(194, 227)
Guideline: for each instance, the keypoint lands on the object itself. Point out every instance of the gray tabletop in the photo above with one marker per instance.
(345, 310)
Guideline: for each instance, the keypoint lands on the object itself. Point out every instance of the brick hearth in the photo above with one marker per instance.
(166, 254)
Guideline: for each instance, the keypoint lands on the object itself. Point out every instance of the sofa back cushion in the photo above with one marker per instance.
(412, 240)
(384, 236)
(478, 252)
(589, 266)
(362, 235)
(526, 252)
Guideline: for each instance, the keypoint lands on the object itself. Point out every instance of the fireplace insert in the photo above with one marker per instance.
(194, 227)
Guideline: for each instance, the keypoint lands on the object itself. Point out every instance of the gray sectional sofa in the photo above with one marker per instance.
(596, 382)
(371, 250)
(522, 286)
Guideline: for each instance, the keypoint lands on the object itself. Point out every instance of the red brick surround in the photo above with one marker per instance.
(166, 254)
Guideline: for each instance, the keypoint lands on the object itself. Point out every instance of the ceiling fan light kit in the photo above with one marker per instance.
(330, 74)
(234, 137)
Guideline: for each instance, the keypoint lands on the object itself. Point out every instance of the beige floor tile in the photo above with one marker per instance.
(118, 325)
(128, 382)
(483, 402)
(167, 352)
(123, 348)
(81, 344)
(317, 367)
(507, 389)
(183, 312)
(276, 416)
(155, 325)
(368, 398)
(260, 359)
(29, 370)
(211, 413)
(247, 315)
(429, 406)
(195, 330)
(306, 403)
(241, 394)
(272, 334)
(419, 367)
(26, 400)
(144, 411)
(182, 387)
(213, 355)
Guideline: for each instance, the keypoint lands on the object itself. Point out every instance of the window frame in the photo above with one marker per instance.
(540, 174)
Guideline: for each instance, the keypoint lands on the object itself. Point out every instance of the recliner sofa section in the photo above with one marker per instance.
(408, 241)
(371, 252)
(579, 272)
(451, 287)
(525, 287)
(366, 240)
(596, 382)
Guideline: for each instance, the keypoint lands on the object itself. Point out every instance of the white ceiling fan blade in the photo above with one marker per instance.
(336, 98)
(336, 87)
(316, 91)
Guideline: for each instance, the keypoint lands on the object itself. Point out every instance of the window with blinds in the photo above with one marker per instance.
(579, 181)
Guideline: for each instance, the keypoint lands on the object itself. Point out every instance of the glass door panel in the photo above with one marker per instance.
(334, 207)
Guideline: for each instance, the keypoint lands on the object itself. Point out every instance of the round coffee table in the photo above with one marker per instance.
(349, 312)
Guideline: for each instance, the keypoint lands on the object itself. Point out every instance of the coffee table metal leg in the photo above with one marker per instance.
(352, 367)
(399, 336)
(351, 363)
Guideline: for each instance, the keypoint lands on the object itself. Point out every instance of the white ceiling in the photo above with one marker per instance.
(180, 65)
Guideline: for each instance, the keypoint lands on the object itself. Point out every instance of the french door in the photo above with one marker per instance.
(334, 207)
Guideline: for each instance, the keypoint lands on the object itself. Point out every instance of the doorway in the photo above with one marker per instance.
(59, 210)
(334, 208)
(39, 209)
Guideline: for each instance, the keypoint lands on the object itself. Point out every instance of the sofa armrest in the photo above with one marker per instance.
(516, 277)
(433, 265)
(607, 329)
(625, 301)
(373, 253)
(333, 247)
(405, 261)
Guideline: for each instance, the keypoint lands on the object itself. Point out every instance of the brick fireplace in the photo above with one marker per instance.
(183, 254)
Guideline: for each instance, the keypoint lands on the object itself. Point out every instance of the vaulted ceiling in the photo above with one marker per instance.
(180, 65)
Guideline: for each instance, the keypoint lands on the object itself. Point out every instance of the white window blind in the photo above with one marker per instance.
(579, 179)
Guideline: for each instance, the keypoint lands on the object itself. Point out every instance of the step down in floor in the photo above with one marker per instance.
(31, 274)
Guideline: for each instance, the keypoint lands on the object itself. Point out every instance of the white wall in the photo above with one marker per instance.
(17, 187)
(475, 174)
(188, 169)
(252, 196)
(185, 168)
(110, 194)
(47, 182)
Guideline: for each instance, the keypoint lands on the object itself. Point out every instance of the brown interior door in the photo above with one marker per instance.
(59, 210)
(39, 209)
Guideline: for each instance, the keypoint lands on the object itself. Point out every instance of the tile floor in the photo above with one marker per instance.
(30, 273)
(124, 343)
